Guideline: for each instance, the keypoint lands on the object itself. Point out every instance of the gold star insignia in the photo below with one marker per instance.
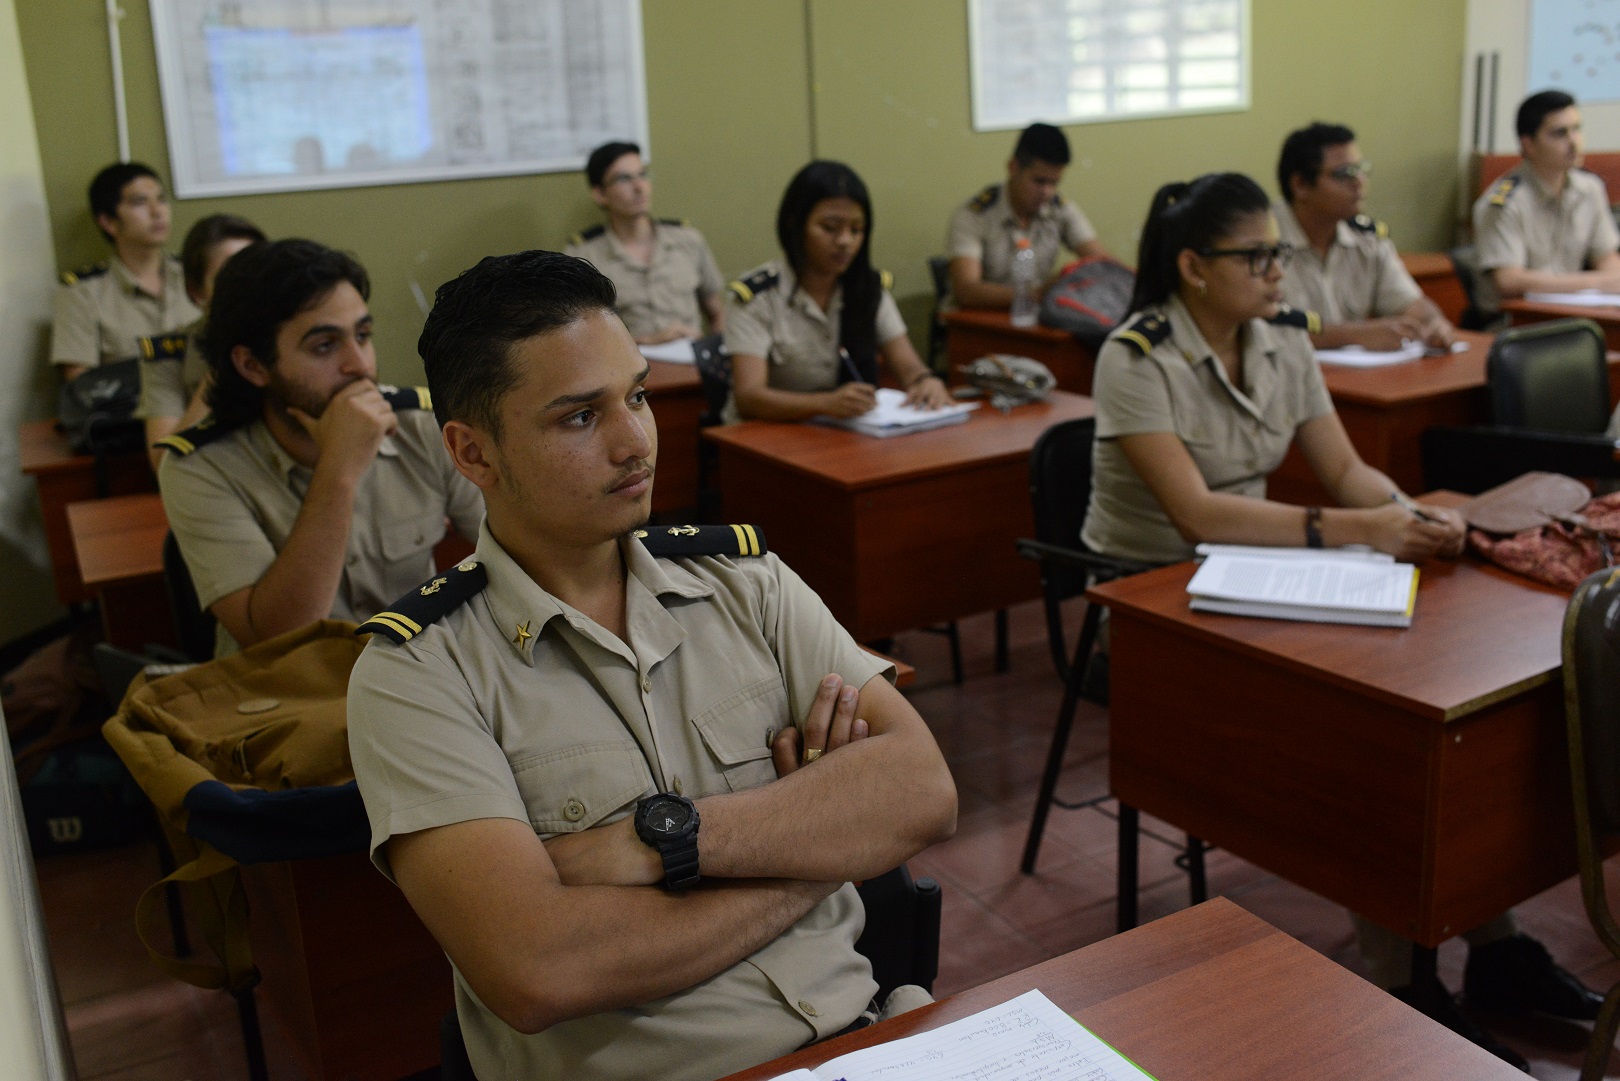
(523, 634)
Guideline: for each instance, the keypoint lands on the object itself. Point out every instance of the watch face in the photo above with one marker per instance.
(667, 816)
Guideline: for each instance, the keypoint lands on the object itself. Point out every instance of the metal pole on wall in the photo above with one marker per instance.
(120, 107)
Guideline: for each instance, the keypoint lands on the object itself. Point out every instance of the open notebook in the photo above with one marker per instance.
(1586, 298)
(1026, 1039)
(1309, 584)
(892, 416)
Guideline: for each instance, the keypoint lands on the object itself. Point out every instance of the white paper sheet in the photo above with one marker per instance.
(1347, 585)
(1354, 356)
(1586, 298)
(678, 351)
(892, 416)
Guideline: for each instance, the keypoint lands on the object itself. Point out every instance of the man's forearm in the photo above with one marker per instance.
(301, 584)
(982, 294)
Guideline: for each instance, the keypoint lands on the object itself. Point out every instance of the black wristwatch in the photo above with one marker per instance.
(669, 823)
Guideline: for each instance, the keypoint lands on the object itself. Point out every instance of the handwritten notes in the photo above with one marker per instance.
(1026, 1039)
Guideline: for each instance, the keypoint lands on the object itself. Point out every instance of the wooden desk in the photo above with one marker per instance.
(1385, 410)
(1435, 275)
(1216, 994)
(895, 533)
(1418, 777)
(1534, 311)
(676, 394)
(62, 477)
(117, 545)
(974, 332)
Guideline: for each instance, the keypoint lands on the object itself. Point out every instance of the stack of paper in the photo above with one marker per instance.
(678, 351)
(892, 416)
(1306, 584)
(1354, 356)
(1586, 298)
(1027, 1039)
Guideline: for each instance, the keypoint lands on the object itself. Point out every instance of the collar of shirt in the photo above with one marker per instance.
(1290, 231)
(284, 464)
(1539, 190)
(663, 241)
(1259, 358)
(523, 610)
(797, 298)
(1010, 220)
(174, 278)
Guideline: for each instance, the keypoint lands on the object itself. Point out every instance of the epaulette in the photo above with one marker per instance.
(162, 347)
(1307, 321)
(202, 433)
(982, 201)
(432, 600)
(1057, 198)
(69, 277)
(678, 541)
(1145, 332)
(1361, 223)
(885, 279)
(1503, 189)
(754, 284)
(406, 398)
(682, 222)
(587, 234)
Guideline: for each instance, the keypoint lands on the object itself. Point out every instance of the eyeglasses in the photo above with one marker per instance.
(628, 178)
(1261, 259)
(1351, 171)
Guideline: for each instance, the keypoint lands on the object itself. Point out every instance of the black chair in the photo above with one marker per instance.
(193, 626)
(1060, 489)
(939, 270)
(714, 370)
(1465, 264)
(1548, 385)
(1591, 653)
(901, 940)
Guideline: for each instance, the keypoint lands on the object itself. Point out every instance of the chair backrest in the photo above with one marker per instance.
(1591, 655)
(1549, 377)
(939, 269)
(193, 626)
(1465, 265)
(901, 938)
(714, 368)
(1060, 490)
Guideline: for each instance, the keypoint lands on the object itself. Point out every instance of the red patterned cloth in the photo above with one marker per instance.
(1556, 554)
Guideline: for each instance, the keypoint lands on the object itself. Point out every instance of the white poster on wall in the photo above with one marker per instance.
(1575, 46)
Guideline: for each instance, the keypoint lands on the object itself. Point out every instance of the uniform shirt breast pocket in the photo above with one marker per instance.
(575, 788)
(737, 730)
(402, 539)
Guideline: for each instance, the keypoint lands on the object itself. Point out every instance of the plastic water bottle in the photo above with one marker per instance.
(1025, 304)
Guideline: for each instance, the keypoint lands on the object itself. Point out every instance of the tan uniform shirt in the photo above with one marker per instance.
(515, 705)
(168, 381)
(1518, 223)
(985, 228)
(1362, 276)
(798, 340)
(101, 313)
(666, 290)
(1237, 435)
(232, 503)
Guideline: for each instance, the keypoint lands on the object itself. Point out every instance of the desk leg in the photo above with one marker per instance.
(1424, 964)
(1197, 883)
(1129, 821)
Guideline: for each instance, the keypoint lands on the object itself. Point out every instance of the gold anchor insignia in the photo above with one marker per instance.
(428, 591)
(523, 634)
(639, 534)
(683, 530)
(470, 565)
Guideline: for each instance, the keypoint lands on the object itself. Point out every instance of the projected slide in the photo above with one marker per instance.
(1575, 46)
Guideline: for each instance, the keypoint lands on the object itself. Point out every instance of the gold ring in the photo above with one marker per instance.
(812, 754)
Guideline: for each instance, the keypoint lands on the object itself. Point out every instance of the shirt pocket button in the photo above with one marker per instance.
(573, 810)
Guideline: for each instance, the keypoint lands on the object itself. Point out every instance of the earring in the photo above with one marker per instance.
(1203, 288)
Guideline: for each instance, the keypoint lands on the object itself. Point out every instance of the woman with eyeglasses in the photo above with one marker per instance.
(1200, 394)
(805, 334)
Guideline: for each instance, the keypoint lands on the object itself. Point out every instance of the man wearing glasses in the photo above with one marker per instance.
(1546, 226)
(665, 274)
(1347, 269)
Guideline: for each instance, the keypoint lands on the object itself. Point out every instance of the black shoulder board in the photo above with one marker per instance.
(162, 347)
(682, 222)
(1297, 317)
(982, 201)
(675, 541)
(200, 434)
(433, 599)
(588, 234)
(1504, 188)
(755, 283)
(69, 277)
(1361, 223)
(1145, 332)
(406, 398)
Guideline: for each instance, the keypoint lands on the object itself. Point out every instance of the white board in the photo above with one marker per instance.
(289, 95)
(1575, 46)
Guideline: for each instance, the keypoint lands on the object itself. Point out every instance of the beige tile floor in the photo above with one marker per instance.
(129, 1024)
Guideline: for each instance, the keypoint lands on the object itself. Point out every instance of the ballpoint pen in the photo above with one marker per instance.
(1406, 501)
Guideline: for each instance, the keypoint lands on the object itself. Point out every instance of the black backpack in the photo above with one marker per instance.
(1089, 299)
(97, 410)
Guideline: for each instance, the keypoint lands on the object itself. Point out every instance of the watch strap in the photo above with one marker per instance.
(1313, 527)
(680, 864)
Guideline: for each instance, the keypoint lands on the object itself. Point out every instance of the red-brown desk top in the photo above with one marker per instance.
(118, 539)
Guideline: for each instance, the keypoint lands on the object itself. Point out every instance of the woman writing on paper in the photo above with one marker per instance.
(1200, 393)
(805, 333)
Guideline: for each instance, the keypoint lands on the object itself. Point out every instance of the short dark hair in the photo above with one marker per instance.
(603, 157)
(107, 189)
(209, 231)
(257, 291)
(1302, 154)
(1536, 108)
(1041, 142)
(478, 316)
(1192, 215)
